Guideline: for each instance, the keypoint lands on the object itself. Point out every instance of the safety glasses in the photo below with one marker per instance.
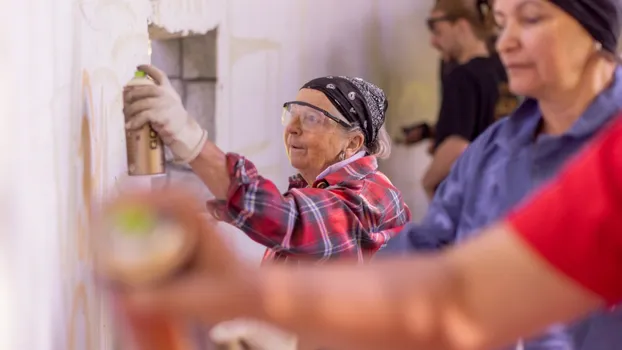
(311, 118)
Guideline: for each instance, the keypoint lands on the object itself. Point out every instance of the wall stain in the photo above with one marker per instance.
(241, 47)
(107, 40)
(85, 154)
(79, 306)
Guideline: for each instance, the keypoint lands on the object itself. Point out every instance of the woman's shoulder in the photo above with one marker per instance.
(505, 131)
(375, 184)
(357, 177)
(494, 135)
(358, 185)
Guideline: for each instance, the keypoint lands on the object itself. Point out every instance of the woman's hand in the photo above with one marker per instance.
(217, 287)
(161, 106)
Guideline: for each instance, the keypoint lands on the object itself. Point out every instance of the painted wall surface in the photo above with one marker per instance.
(67, 62)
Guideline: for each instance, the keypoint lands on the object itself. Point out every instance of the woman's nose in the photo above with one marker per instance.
(507, 40)
(293, 127)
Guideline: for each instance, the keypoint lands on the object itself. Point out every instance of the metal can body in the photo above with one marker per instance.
(145, 152)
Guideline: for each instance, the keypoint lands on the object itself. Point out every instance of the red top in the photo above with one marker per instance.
(575, 222)
(350, 213)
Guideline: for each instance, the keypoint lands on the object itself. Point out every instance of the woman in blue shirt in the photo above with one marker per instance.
(560, 54)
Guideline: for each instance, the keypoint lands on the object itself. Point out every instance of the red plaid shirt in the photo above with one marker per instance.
(350, 213)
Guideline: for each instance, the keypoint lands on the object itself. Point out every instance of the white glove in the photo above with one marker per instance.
(256, 334)
(161, 106)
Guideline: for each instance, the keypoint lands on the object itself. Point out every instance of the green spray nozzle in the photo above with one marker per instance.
(134, 220)
(140, 74)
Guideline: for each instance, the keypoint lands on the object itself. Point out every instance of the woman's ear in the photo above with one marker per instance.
(355, 144)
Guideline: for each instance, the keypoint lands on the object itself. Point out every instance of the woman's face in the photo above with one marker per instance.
(543, 48)
(312, 140)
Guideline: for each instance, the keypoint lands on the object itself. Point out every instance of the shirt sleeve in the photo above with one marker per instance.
(438, 228)
(575, 221)
(458, 113)
(316, 223)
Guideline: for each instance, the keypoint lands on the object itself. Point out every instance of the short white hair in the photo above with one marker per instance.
(381, 147)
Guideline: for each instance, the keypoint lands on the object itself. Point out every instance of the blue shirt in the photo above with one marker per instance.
(495, 173)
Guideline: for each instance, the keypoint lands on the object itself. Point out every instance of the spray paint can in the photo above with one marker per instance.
(144, 238)
(145, 150)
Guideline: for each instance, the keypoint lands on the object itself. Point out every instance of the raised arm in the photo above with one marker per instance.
(318, 223)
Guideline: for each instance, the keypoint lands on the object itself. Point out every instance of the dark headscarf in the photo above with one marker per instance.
(360, 102)
(601, 18)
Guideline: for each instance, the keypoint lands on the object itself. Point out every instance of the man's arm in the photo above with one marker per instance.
(444, 157)
(461, 300)
(456, 122)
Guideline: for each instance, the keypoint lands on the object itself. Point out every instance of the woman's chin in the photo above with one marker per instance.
(523, 87)
(297, 161)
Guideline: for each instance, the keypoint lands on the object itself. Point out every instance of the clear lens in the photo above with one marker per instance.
(310, 119)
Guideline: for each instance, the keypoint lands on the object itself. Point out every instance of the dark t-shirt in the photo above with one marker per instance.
(474, 95)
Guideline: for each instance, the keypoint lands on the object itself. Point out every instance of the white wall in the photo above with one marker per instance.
(63, 63)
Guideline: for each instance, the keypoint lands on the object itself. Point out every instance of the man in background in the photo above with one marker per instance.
(471, 88)
(473, 80)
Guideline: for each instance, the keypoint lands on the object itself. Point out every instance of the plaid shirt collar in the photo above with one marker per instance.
(356, 170)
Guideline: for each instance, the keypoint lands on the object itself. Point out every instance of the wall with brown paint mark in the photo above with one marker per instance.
(68, 62)
(113, 40)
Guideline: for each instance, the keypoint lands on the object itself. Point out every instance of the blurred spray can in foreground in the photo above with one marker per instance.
(142, 239)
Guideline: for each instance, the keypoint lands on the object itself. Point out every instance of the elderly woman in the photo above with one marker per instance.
(560, 55)
(338, 206)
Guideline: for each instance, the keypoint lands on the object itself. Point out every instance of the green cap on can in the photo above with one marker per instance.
(134, 220)
(139, 74)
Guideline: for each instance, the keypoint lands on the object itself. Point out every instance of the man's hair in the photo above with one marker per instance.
(476, 12)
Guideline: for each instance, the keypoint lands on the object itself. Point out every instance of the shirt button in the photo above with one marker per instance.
(322, 184)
